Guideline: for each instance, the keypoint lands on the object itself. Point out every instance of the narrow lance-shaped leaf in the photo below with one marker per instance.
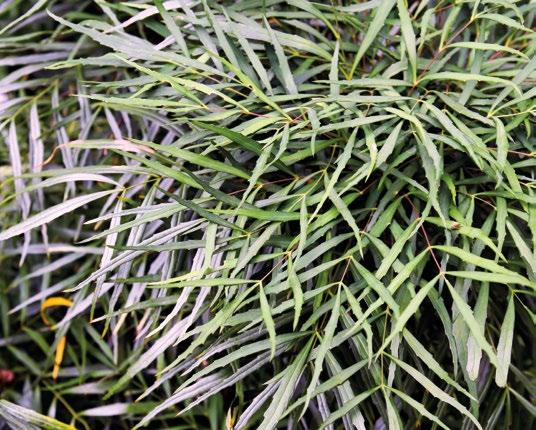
(473, 325)
(435, 391)
(474, 352)
(504, 348)
(286, 389)
(244, 141)
(51, 214)
(408, 312)
(380, 14)
(323, 348)
(297, 292)
(268, 320)
(409, 37)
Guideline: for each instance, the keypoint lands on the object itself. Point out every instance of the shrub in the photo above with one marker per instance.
(267, 214)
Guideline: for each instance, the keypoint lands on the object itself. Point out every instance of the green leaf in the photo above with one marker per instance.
(502, 143)
(464, 77)
(486, 47)
(288, 79)
(435, 391)
(268, 321)
(348, 406)
(419, 407)
(377, 286)
(505, 20)
(431, 362)
(410, 310)
(24, 416)
(522, 247)
(473, 325)
(470, 258)
(297, 293)
(380, 15)
(286, 389)
(504, 348)
(324, 347)
(51, 214)
(245, 142)
(409, 37)
(474, 352)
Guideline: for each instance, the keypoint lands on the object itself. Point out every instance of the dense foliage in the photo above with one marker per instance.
(267, 214)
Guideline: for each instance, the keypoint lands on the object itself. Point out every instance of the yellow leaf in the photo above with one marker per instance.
(53, 302)
(58, 358)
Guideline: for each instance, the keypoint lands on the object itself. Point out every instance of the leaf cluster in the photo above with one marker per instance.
(267, 214)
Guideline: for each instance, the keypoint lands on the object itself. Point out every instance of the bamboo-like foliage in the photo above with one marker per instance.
(267, 214)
